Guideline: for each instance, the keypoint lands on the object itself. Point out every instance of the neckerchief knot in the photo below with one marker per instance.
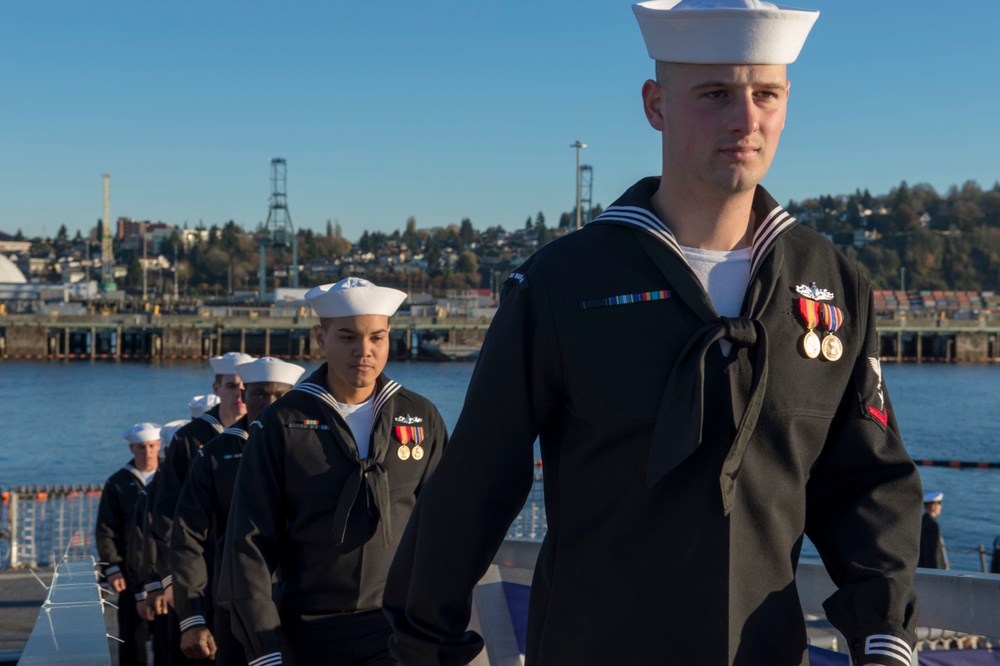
(740, 331)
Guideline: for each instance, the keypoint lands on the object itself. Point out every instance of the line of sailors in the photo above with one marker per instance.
(268, 528)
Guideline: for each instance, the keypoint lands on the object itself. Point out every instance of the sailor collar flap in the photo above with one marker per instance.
(212, 420)
(678, 430)
(369, 470)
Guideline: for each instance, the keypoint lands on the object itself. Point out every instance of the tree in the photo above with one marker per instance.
(133, 277)
(467, 234)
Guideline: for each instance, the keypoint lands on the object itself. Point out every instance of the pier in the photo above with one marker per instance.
(279, 332)
(903, 337)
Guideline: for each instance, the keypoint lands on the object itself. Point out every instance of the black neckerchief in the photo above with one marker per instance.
(369, 470)
(678, 430)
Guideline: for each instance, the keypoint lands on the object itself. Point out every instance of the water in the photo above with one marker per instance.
(62, 423)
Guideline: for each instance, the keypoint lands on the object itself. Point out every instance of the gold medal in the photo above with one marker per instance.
(833, 349)
(403, 452)
(811, 344)
(417, 452)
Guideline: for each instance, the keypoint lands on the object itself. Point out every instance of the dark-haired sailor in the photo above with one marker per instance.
(326, 483)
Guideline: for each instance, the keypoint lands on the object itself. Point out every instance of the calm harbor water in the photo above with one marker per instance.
(62, 423)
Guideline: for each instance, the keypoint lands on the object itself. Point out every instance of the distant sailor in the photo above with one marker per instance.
(326, 483)
(933, 554)
(701, 374)
(203, 507)
(116, 536)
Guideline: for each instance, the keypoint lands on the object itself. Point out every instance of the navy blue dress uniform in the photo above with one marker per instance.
(307, 508)
(203, 510)
(678, 481)
(933, 554)
(118, 539)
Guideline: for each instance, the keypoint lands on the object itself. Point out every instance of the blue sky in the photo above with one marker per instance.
(442, 110)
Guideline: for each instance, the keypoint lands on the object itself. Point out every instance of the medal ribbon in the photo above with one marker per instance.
(831, 316)
(808, 308)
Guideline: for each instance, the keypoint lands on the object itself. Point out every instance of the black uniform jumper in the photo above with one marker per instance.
(117, 537)
(678, 482)
(203, 509)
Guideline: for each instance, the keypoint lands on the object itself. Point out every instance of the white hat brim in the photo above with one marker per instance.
(724, 35)
(269, 369)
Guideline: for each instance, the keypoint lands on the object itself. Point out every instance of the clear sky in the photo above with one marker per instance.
(441, 109)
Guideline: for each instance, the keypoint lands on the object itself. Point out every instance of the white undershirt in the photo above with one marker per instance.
(360, 419)
(145, 476)
(725, 276)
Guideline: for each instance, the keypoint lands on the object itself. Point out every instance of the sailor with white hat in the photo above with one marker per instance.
(118, 541)
(933, 552)
(353, 448)
(227, 394)
(203, 507)
(705, 456)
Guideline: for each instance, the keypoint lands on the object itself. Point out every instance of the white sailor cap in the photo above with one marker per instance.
(142, 432)
(226, 364)
(170, 429)
(267, 369)
(933, 497)
(354, 296)
(202, 403)
(747, 32)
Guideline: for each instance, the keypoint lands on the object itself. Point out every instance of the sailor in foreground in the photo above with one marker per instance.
(116, 536)
(204, 503)
(228, 409)
(326, 483)
(704, 394)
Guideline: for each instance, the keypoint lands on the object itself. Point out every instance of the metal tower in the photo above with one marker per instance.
(278, 231)
(586, 192)
(107, 248)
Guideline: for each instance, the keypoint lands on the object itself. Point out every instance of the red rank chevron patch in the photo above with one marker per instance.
(881, 417)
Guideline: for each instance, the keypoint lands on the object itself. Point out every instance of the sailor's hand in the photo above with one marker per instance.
(117, 581)
(144, 610)
(198, 643)
(158, 602)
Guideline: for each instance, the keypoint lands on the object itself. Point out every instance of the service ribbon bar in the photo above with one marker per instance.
(626, 299)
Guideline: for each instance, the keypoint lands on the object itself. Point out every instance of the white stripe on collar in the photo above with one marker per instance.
(212, 421)
(387, 391)
(238, 432)
(776, 222)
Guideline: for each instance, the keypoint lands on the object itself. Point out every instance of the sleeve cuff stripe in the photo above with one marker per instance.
(273, 659)
(152, 587)
(141, 596)
(193, 621)
(167, 582)
(889, 646)
(113, 569)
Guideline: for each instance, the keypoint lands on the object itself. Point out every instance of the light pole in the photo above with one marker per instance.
(578, 145)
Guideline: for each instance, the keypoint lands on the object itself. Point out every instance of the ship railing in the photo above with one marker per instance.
(40, 522)
(952, 604)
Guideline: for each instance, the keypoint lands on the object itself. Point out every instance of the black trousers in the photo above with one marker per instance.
(355, 639)
(133, 630)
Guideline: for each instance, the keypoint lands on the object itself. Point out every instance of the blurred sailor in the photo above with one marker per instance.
(204, 504)
(933, 554)
(116, 536)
